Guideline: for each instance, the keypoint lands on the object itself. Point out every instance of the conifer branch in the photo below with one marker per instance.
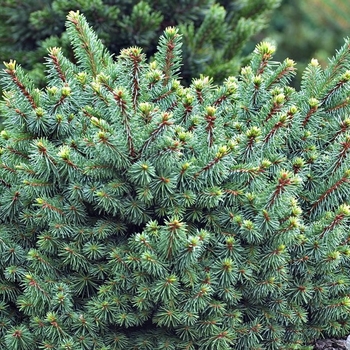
(135, 56)
(282, 123)
(87, 47)
(312, 110)
(344, 127)
(284, 72)
(278, 102)
(222, 152)
(169, 60)
(337, 220)
(339, 106)
(53, 54)
(163, 125)
(264, 53)
(336, 186)
(341, 156)
(8, 168)
(168, 54)
(338, 63)
(20, 113)
(336, 88)
(6, 184)
(73, 17)
(11, 71)
(118, 97)
(210, 121)
(163, 96)
(46, 205)
(284, 181)
(66, 91)
(17, 152)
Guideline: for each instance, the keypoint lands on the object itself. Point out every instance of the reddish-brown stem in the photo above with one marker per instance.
(342, 155)
(20, 113)
(6, 184)
(4, 166)
(263, 64)
(208, 166)
(343, 128)
(282, 74)
(273, 131)
(210, 119)
(136, 59)
(199, 95)
(275, 109)
(52, 208)
(23, 89)
(18, 153)
(311, 111)
(322, 198)
(59, 102)
(161, 97)
(161, 127)
(219, 100)
(337, 220)
(58, 68)
(339, 106)
(283, 182)
(85, 44)
(118, 97)
(169, 58)
(335, 88)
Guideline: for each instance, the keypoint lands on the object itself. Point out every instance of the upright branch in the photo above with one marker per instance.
(89, 50)
(264, 52)
(285, 71)
(344, 126)
(283, 122)
(277, 104)
(169, 61)
(338, 64)
(12, 70)
(169, 54)
(251, 141)
(210, 124)
(119, 97)
(54, 56)
(133, 59)
(313, 104)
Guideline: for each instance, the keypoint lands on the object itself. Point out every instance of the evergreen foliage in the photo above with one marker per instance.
(215, 32)
(136, 213)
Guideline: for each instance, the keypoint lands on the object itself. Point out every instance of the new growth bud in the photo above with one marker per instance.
(10, 65)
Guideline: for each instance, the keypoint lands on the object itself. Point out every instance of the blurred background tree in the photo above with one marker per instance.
(215, 33)
(308, 29)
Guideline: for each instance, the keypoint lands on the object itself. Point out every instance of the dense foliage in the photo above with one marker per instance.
(136, 213)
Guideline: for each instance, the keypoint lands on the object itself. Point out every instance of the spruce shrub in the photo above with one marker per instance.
(136, 213)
